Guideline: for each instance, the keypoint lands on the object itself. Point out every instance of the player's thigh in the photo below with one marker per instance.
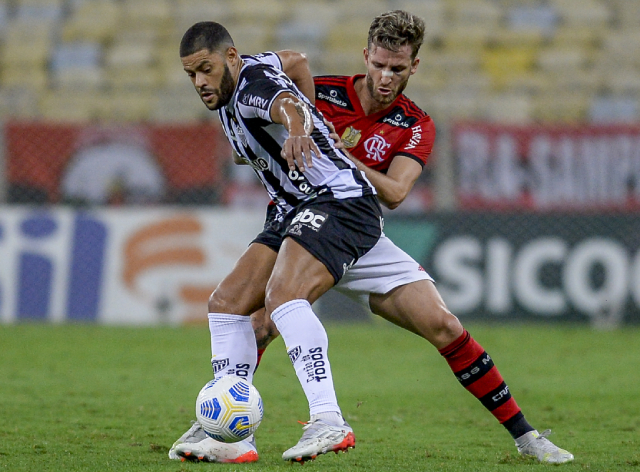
(419, 308)
(242, 292)
(297, 274)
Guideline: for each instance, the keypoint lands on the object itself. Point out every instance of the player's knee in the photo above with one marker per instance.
(445, 328)
(221, 302)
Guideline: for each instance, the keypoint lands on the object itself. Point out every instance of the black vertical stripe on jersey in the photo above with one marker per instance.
(325, 147)
(274, 182)
(255, 127)
(269, 177)
(327, 150)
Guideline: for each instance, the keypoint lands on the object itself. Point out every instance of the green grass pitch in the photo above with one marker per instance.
(91, 398)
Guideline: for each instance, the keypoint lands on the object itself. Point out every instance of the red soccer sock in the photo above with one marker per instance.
(474, 369)
(260, 352)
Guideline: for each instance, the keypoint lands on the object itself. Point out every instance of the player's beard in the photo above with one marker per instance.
(385, 100)
(225, 92)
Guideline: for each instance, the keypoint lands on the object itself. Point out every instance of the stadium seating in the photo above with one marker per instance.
(512, 60)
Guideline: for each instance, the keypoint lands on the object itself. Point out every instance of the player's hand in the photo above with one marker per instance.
(337, 142)
(298, 151)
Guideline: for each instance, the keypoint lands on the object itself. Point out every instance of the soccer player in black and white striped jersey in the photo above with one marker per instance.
(327, 217)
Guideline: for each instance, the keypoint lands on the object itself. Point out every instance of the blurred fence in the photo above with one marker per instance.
(545, 224)
(119, 203)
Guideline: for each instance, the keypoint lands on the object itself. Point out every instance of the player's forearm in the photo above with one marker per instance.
(391, 193)
(294, 115)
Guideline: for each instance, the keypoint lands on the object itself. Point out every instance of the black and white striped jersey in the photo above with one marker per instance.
(246, 121)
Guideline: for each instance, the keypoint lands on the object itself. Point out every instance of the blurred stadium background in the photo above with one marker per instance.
(118, 202)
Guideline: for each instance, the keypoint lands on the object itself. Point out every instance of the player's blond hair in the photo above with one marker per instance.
(394, 29)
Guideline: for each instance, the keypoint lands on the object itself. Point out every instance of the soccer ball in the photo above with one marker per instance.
(229, 408)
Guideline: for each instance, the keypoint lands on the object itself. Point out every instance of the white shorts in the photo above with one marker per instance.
(380, 270)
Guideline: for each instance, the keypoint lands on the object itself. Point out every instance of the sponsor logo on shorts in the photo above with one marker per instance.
(219, 364)
(312, 219)
(294, 353)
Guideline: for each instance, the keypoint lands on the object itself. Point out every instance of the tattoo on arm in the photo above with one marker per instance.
(305, 114)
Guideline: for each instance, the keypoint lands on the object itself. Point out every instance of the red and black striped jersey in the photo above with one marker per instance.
(400, 129)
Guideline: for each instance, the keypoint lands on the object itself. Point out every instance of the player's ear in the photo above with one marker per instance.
(232, 55)
(414, 65)
(365, 52)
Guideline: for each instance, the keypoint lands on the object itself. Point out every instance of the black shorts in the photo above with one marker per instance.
(336, 232)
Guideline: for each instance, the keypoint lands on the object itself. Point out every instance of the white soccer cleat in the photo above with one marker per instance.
(320, 438)
(534, 444)
(196, 446)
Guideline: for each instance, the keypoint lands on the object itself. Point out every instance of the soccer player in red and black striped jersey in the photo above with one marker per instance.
(390, 139)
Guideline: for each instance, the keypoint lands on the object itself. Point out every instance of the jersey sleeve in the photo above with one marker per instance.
(269, 57)
(262, 85)
(418, 141)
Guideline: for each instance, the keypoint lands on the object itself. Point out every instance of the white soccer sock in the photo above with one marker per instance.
(307, 345)
(233, 345)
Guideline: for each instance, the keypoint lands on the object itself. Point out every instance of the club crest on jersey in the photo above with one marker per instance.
(350, 137)
(376, 147)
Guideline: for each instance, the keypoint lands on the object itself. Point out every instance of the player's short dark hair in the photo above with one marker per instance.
(207, 35)
(394, 29)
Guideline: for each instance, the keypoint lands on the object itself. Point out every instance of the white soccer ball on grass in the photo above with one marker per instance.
(229, 408)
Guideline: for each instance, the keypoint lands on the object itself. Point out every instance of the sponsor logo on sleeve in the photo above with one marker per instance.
(416, 136)
(255, 101)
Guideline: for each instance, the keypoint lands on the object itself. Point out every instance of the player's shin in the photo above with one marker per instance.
(307, 343)
(233, 345)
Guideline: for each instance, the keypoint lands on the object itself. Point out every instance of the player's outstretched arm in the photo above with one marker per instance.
(296, 66)
(392, 187)
(289, 111)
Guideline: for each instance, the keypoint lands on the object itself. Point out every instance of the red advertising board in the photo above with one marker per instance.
(91, 162)
(547, 168)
